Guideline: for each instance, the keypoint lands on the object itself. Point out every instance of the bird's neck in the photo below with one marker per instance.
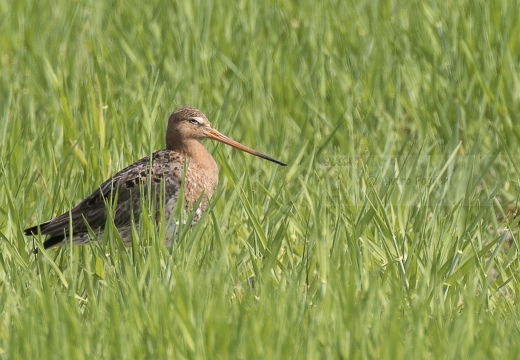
(202, 172)
(197, 156)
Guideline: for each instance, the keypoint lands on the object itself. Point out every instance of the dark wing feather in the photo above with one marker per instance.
(125, 188)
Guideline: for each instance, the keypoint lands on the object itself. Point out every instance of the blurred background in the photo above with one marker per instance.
(392, 232)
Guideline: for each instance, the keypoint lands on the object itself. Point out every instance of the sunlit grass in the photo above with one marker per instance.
(392, 232)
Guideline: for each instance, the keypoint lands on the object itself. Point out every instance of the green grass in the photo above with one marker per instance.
(392, 232)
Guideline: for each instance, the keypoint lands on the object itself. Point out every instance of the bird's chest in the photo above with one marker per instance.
(199, 184)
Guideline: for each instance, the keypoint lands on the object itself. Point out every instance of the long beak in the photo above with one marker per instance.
(215, 135)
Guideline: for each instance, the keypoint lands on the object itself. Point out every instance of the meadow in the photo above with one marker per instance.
(391, 234)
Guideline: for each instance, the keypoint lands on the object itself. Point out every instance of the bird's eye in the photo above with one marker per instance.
(194, 121)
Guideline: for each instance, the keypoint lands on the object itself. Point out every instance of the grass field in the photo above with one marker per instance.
(391, 234)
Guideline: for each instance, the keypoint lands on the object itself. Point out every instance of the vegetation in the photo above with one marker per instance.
(392, 233)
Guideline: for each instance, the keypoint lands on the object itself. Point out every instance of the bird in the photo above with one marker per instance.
(159, 176)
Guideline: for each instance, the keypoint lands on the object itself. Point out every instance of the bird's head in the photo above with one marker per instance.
(188, 123)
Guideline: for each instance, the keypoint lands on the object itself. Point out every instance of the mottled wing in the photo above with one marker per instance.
(125, 189)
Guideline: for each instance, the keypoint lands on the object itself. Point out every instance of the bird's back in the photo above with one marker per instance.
(161, 176)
